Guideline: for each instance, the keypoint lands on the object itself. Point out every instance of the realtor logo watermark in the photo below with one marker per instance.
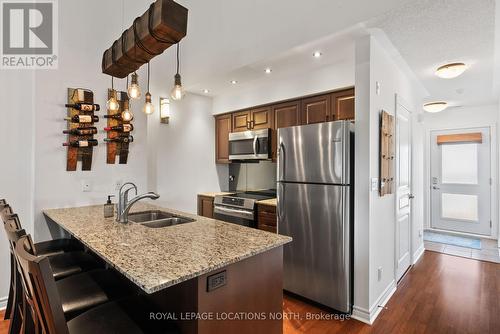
(29, 34)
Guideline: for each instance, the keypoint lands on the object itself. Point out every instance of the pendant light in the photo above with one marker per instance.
(177, 92)
(148, 108)
(134, 91)
(112, 104)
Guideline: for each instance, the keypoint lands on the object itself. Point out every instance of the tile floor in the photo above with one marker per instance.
(489, 252)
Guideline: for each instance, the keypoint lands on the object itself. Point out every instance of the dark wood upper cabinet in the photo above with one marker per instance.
(261, 118)
(255, 119)
(316, 109)
(343, 105)
(222, 130)
(285, 115)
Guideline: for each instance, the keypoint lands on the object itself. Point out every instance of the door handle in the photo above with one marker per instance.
(255, 144)
(435, 188)
(411, 196)
(281, 162)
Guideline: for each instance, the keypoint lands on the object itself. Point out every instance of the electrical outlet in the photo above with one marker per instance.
(86, 186)
(118, 184)
(377, 88)
(420, 233)
(379, 274)
(374, 184)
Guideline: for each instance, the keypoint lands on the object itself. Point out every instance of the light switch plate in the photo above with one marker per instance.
(86, 186)
(374, 184)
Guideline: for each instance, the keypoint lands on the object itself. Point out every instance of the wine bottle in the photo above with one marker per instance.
(83, 119)
(82, 143)
(118, 117)
(127, 139)
(81, 131)
(120, 128)
(84, 106)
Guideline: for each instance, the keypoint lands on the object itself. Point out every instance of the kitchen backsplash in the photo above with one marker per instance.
(252, 176)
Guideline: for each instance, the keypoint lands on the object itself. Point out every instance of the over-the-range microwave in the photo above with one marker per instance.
(250, 145)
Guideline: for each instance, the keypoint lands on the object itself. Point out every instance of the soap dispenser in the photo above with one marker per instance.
(109, 208)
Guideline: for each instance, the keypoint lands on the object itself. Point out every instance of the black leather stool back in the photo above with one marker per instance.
(40, 288)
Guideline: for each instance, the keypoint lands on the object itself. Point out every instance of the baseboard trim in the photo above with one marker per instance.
(369, 316)
(418, 253)
(3, 303)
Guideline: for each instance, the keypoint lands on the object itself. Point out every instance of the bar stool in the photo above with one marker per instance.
(127, 316)
(76, 293)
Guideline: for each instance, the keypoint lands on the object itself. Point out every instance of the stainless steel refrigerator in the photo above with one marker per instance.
(315, 188)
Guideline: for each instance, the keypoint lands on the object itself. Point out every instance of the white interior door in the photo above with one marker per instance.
(403, 190)
(461, 181)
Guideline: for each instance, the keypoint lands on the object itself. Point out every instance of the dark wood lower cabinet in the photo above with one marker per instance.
(205, 206)
(247, 300)
(266, 218)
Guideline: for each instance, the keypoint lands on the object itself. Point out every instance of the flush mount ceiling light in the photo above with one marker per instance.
(450, 71)
(435, 106)
(234, 82)
(317, 54)
(206, 91)
(268, 70)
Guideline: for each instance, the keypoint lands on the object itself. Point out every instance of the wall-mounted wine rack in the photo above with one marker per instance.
(80, 131)
(118, 140)
(386, 153)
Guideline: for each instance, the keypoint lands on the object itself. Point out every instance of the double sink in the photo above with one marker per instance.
(157, 218)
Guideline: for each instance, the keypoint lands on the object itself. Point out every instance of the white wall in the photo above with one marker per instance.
(16, 160)
(185, 148)
(375, 215)
(299, 84)
(33, 172)
(457, 118)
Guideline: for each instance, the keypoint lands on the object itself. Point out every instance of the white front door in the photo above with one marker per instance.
(461, 180)
(403, 190)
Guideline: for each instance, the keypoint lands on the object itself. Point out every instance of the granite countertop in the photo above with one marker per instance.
(155, 259)
(213, 194)
(271, 201)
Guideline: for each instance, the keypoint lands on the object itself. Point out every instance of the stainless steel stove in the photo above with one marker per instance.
(241, 208)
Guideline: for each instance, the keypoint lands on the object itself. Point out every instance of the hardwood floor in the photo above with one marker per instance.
(440, 294)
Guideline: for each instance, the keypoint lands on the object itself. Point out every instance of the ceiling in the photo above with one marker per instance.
(429, 33)
(237, 40)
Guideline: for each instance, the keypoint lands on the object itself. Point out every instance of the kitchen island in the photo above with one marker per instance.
(210, 268)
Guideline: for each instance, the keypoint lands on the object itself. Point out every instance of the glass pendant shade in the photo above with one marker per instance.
(112, 104)
(148, 108)
(134, 91)
(177, 92)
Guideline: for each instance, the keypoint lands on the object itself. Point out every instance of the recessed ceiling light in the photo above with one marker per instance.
(206, 91)
(435, 106)
(450, 71)
(234, 82)
(317, 54)
(268, 70)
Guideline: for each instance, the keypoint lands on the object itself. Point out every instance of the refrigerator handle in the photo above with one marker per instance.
(281, 162)
(255, 143)
(281, 200)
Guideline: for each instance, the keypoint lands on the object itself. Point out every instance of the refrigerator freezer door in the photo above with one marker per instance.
(317, 261)
(316, 153)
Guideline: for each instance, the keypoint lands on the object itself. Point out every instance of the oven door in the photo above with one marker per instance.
(234, 215)
(250, 145)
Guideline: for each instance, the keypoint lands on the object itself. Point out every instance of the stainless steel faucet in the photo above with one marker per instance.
(124, 204)
(124, 215)
(123, 198)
